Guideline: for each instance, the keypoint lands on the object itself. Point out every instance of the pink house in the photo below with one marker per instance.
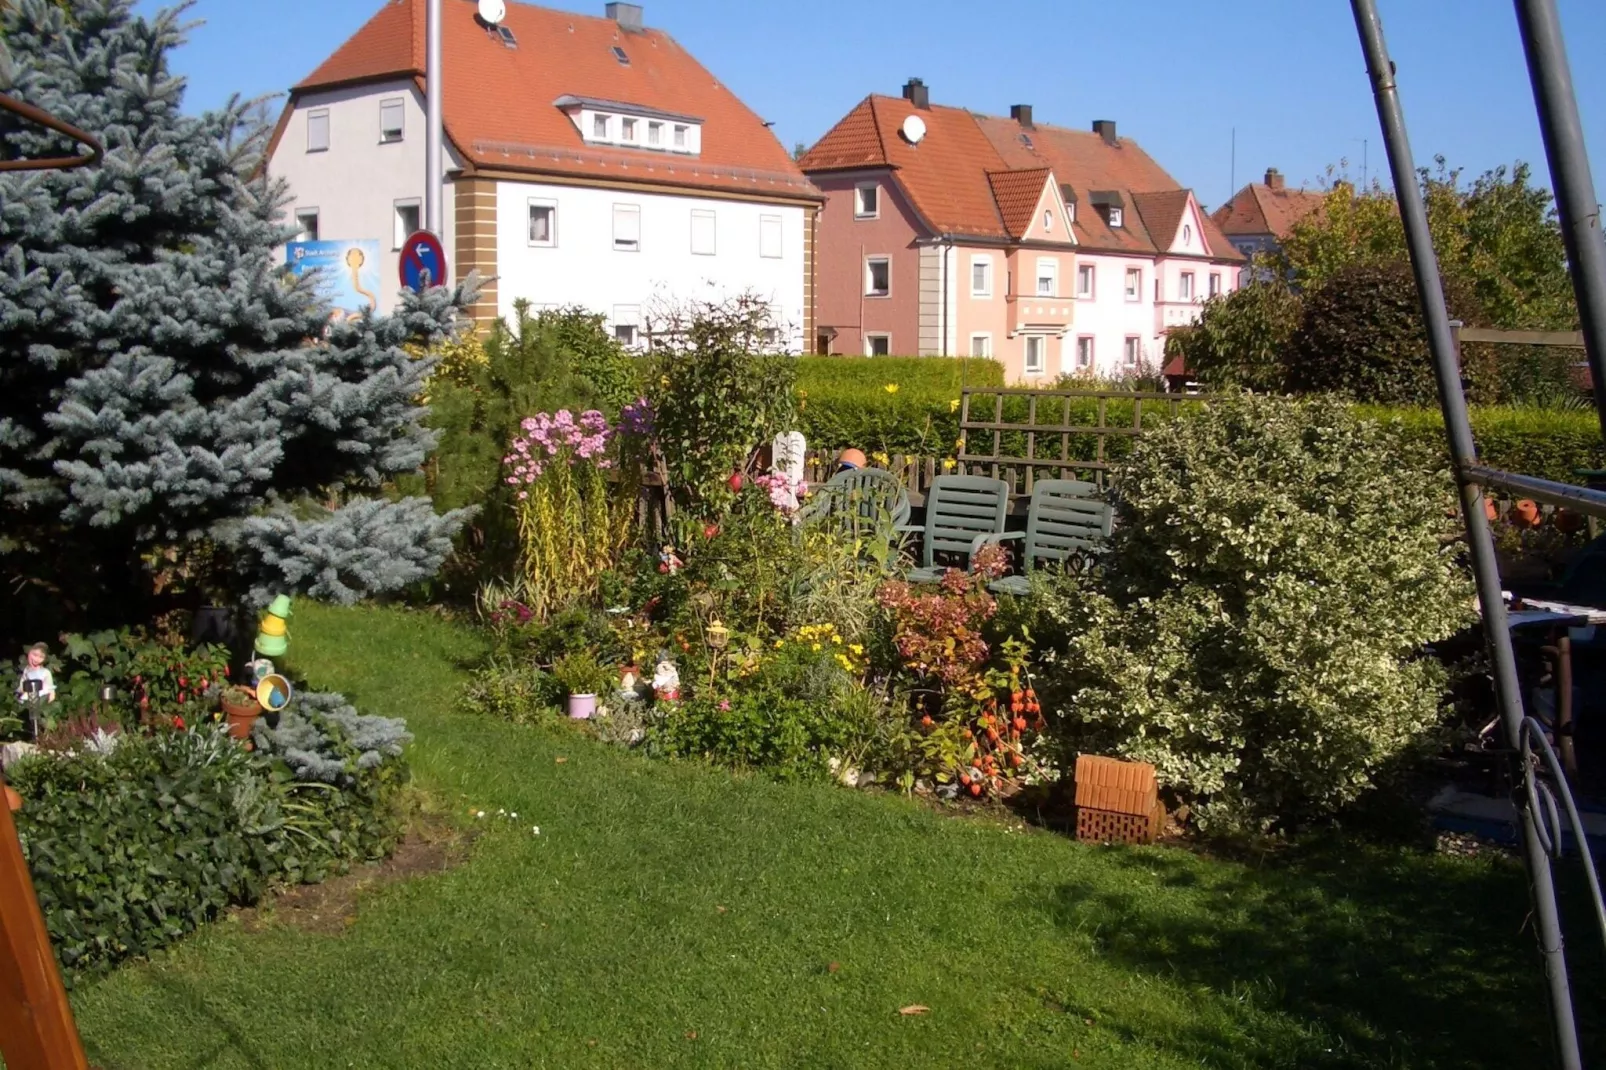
(1054, 251)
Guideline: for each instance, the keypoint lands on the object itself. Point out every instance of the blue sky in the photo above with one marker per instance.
(1177, 76)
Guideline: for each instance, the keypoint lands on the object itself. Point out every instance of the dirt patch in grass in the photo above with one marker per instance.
(431, 845)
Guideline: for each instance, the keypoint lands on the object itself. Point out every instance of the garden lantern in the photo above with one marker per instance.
(719, 636)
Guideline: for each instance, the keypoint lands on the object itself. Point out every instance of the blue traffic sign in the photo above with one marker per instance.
(423, 259)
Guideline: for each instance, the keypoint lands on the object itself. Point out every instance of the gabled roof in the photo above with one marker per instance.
(1162, 214)
(1259, 209)
(1016, 193)
(500, 105)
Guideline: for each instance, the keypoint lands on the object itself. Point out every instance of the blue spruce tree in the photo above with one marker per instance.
(168, 392)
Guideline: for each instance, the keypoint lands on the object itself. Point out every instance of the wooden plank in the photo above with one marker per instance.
(1041, 462)
(1563, 339)
(36, 1023)
(1079, 430)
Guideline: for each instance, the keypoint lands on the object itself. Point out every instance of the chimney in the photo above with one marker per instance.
(1274, 178)
(1105, 128)
(628, 16)
(916, 93)
(1021, 113)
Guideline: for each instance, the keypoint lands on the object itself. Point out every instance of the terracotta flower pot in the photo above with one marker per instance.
(13, 800)
(240, 715)
(1526, 514)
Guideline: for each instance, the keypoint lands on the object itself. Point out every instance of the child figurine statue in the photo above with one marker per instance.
(36, 684)
(669, 562)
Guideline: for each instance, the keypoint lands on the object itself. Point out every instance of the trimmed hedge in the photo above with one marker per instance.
(846, 403)
(134, 843)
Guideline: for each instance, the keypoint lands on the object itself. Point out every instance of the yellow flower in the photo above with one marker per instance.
(880, 457)
(815, 648)
(857, 648)
(959, 443)
(779, 643)
(891, 388)
(837, 639)
(953, 406)
(948, 464)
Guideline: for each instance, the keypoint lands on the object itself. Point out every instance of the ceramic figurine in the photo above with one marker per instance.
(668, 562)
(666, 680)
(629, 682)
(36, 684)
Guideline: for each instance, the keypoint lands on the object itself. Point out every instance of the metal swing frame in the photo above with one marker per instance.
(1540, 781)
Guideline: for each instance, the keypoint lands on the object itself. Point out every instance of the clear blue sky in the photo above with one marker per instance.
(1177, 76)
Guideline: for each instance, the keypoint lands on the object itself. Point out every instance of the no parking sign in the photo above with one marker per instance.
(423, 262)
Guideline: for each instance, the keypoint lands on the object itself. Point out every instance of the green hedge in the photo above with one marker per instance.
(134, 843)
(846, 403)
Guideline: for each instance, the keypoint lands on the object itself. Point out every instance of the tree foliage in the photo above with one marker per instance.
(1256, 629)
(1241, 338)
(165, 385)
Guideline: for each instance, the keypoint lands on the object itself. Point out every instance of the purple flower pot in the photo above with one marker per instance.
(581, 707)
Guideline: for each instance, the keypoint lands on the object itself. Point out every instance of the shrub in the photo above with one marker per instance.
(1241, 338)
(844, 401)
(133, 845)
(1257, 628)
(1362, 335)
(511, 690)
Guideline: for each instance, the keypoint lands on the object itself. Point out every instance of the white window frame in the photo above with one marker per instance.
(1185, 289)
(769, 227)
(313, 117)
(1131, 351)
(680, 135)
(1048, 270)
(627, 129)
(403, 233)
(655, 134)
(869, 290)
(1088, 272)
(600, 127)
(1116, 216)
(302, 233)
(1039, 343)
(552, 222)
(1070, 211)
(869, 346)
(985, 350)
(1086, 353)
(1048, 220)
(400, 109)
(1187, 234)
(627, 212)
(707, 216)
(1134, 292)
(627, 317)
(1214, 285)
(986, 264)
(874, 189)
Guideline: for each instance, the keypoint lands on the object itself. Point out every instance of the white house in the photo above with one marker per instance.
(591, 161)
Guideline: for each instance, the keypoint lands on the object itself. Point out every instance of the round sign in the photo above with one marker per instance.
(423, 262)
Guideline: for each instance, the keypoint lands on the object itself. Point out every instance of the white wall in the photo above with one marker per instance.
(583, 268)
(1110, 318)
(356, 183)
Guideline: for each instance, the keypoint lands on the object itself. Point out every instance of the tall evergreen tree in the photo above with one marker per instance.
(168, 392)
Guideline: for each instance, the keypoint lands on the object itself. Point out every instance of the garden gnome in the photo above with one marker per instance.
(666, 680)
(629, 681)
(788, 451)
(36, 683)
(273, 633)
(851, 459)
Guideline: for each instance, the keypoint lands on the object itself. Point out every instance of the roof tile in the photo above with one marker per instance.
(1016, 193)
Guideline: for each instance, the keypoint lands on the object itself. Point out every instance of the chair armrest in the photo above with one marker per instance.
(993, 537)
(909, 529)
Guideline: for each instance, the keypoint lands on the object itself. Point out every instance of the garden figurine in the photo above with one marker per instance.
(666, 680)
(668, 561)
(273, 633)
(851, 459)
(36, 684)
(629, 683)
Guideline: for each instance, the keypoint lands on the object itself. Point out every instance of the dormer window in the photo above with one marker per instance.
(655, 133)
(629, 129)
(1070, 212)
(1115, 216)
(599, 127)
(680, 136)
(619, 122)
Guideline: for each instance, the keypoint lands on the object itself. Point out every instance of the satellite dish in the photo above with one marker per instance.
(914, 128)
(492, 11)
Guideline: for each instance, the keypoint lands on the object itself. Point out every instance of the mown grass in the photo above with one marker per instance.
(676, 915)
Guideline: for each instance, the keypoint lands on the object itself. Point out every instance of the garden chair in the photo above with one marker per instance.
(962, 512)
(870, 493)
(1066, 516)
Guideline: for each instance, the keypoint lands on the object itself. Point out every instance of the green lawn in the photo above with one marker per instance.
(672, 915)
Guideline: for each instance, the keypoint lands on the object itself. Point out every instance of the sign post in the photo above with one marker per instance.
(423, 262)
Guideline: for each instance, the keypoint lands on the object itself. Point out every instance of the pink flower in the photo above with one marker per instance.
(523, 494)
(512, 479)
(724, 705)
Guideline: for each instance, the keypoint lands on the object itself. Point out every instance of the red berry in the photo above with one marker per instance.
(975, 789)
(710, 531)
(737, 482)
(184, 681)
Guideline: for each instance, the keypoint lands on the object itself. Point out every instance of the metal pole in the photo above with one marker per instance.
(1458, 430)
(1569, 174)
(434, 165)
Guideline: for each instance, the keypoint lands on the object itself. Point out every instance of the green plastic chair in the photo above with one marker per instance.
(962, 513)
(1066, 516)
(870, 493)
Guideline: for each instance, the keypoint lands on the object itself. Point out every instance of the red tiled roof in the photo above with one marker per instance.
(1016, 193)
(1259, 209)
(1162, 214)
(498, 101)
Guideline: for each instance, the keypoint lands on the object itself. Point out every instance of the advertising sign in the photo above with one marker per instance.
(348, 273)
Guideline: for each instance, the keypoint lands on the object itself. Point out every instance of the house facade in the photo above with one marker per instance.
(1054, 251)
(1261, 215)
(590, 161)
